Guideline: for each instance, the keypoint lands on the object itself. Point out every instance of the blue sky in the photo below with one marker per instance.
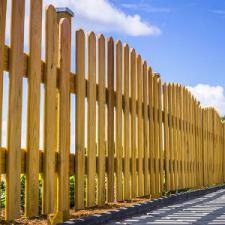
(191, 48)
(183, 40)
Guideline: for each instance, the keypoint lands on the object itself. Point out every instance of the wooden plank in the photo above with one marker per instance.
(166, 137)
(48, 202)
(110, 122)
(185, 136)
(188, 139)
(151, 131)
(127, 155)
(171, 136)
(181, 93)
(2, 45)
(101, 120)
(140, 126)
(91, 167)
(146, 129)
(174, 109)
(156, 134)
(133, 123)
(14, 111)
(64, 117)
(178, 136)
(80, 120)
(161, 154)
(33, 109)
(119, 150)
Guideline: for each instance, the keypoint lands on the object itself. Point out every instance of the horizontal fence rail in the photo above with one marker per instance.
(134, 135)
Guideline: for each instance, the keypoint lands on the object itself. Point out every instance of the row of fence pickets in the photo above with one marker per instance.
(159, 138)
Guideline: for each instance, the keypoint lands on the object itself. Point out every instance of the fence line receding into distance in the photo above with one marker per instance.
(144, 137)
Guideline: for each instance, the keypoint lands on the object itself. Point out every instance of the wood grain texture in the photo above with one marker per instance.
(151, 131)
(119, 149)
(140, 126)
(80, 120)
(161, 154)
(127, 153)
(33, 109)
(170, 122)
(166, 137)
(101, 121)
(133, 123)
(146, 129)
(91, 166)
(14, 111)
(48, 202)
(110, 122)
(2, 45)
(174, 111)
(64, 117)
(156, 135)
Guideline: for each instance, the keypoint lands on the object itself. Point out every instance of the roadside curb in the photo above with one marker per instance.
(140, 208)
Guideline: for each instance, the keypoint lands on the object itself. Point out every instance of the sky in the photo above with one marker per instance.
(183, 40)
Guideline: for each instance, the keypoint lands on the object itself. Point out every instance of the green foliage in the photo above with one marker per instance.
(2, 194)
(223, 118)
(72, 181)
(22, 196)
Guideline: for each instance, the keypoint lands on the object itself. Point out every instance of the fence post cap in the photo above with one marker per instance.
(65, 10)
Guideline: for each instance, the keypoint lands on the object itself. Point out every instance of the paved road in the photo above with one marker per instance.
(209, 209)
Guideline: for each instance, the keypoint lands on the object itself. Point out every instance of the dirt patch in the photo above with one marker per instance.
(42, 220)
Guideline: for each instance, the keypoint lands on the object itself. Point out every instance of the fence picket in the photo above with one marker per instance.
(101, 120)
(33, 109)
(13, 163)
(91, 92)
(166, 137)
(2, 45)
(127, 154)
(140, 126)
(80, 119)
(151, 131)
(133, 122)
(146, 126)
(49, 111)
(2, 42)
(171, 137)
(161, 154)
(110, 122)
(156, 135)
(119, 150)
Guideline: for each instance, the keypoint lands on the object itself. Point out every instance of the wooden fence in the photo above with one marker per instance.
(144, 138)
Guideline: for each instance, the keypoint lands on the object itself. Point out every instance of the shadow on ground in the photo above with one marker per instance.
(208, 209)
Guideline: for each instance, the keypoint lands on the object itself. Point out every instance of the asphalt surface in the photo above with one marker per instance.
(208, 209)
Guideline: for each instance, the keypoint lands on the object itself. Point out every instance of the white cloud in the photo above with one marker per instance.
(102, 16)
(145, 7)
(210, 96)
(218, 12)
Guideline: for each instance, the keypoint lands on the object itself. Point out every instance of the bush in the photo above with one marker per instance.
(22, 196)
